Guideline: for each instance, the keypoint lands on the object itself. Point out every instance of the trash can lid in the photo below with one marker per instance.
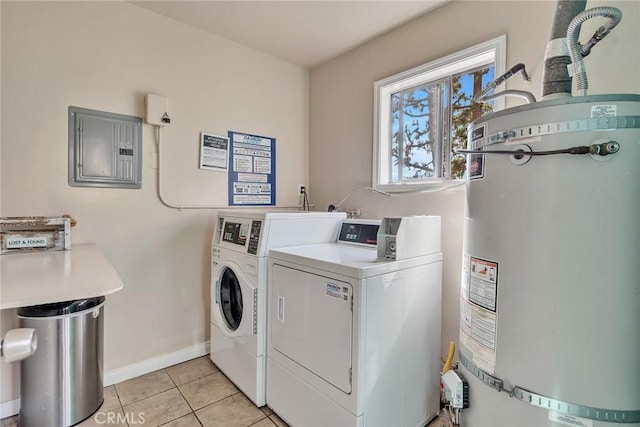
(60, 308)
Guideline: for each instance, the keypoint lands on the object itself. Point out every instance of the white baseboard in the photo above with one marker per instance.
(153, 364)
(10, 408)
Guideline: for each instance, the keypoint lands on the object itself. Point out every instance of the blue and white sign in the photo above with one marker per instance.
(252, 170)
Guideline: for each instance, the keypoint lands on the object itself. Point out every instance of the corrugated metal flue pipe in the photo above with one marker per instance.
(577, 51)
(555, 78)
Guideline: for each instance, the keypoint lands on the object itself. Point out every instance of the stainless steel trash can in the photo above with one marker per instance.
(62, 384)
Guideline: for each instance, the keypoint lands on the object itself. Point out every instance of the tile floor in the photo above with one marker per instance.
(191, 394)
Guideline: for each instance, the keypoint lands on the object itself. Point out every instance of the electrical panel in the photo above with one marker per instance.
(105, 149)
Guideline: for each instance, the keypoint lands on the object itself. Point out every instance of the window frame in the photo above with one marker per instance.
(490, 51)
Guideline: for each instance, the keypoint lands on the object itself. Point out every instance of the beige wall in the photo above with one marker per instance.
(106, 56)
(9, 373)
(341, 105)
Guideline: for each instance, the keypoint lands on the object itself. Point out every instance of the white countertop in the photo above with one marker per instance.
(36, 278)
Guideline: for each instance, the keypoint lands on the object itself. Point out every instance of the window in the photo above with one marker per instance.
(421, 117)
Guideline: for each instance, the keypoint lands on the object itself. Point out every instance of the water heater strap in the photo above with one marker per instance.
(600, 123)
(598, 414)
(488, 379)
(539, 400)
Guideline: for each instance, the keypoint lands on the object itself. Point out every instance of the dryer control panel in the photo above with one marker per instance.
(360, 232)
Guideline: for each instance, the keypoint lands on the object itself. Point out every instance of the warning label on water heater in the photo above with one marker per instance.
(475, 162)
(483, 283)
(598, 111)
(478, 318)
(569, 420)
(478, 334)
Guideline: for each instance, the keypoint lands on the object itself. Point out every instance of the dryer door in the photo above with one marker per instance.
(312, 323)
(234, 302)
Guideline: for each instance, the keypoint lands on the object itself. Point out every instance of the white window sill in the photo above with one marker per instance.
(424, 187)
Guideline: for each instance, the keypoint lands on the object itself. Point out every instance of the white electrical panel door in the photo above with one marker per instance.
(312, 323)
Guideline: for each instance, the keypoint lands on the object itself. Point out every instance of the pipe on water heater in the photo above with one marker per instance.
(577, 52)
(555, 78)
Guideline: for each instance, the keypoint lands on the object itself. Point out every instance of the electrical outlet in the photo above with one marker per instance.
(302, 189)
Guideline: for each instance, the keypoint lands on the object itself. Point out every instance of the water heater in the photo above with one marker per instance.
(550, 294)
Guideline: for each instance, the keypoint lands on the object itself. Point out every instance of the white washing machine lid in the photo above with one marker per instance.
(254, 233)
(348, 260)
(278, 215)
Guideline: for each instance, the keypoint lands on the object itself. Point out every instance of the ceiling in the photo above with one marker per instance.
(304, 32)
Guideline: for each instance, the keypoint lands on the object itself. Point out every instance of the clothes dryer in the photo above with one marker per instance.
(354, 341)
(240, 245)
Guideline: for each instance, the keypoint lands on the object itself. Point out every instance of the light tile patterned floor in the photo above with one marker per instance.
(191, 394)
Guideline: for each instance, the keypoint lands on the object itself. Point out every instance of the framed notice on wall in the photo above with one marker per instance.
(252, 170)
(213, 152)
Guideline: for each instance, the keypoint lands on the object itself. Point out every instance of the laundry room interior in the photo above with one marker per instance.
(305, 78)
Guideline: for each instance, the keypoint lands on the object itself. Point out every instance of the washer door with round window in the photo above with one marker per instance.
(234, 302)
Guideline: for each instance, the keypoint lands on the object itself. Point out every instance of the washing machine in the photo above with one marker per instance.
(239, 249)
(354, 340)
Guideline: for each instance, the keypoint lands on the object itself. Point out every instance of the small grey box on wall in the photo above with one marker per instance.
(105, 149)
